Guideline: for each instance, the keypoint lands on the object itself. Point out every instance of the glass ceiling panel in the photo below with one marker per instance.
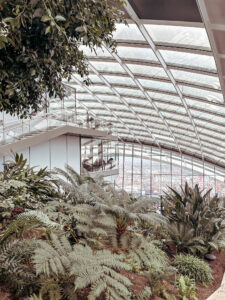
(195, 78)
(179, 35)
(128, 32)
(157, 85)
(171, 107)
(208, 106)
(148, 110)
(100, 89)
(207, 124)
(110, 98)
(209, 95)
(134, 101)
(148, 71)
(176, 117)
(112, 67)
(98, 52)
(130, 92)
(166, 97)
(136, 53)
(191, 60)
(120, 80)
(206, 116)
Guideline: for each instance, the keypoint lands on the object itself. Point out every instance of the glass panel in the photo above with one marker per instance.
(179, 35)
(108, 67)
(212, 81)
(136, 53)
(209, 95)
(100, 52)
(120, 80)
(189, 59)
(128, 32)
(164, 97)
(130, 92)
(157, 85)
(147, 71)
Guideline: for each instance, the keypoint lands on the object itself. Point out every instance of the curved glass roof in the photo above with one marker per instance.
(161, 88)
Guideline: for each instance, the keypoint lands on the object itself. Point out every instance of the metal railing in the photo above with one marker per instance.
(18, 129)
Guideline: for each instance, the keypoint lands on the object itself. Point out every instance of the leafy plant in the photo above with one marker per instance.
(186, 288)
(21, 187)
(196, 221)
(13, 270)
(40, 45)
(81, 266)
(194, 268)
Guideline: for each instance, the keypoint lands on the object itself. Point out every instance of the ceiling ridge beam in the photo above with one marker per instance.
(206, 87)
(149, 39)
(197, 70)
(117, 58)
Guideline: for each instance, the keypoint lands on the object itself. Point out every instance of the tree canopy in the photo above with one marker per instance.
(40, 45)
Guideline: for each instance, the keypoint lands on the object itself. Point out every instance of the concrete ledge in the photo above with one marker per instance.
(219, 294)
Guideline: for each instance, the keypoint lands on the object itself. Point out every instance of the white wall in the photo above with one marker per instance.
(57, 152)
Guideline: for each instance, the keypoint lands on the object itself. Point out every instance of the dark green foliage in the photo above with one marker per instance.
(22, 187)
(39, 46)
(196, 220)
(194, 268)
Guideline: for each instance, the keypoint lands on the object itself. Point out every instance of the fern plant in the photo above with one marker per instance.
(14, 271)
(186, 288)
(26, 222)
(124, 208)
(80, 265)
(194, 268)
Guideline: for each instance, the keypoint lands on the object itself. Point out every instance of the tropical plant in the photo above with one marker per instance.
(186, 288)
(22, 187)
(14, 270)
(197, 223)
(40, 45)
(74, 268)
(118, 203)
(194, 268)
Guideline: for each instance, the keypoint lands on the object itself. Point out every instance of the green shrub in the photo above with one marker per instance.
(186, 288)
(196, 220)
(194, 268)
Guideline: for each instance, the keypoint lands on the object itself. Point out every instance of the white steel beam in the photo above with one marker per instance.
(148, 38)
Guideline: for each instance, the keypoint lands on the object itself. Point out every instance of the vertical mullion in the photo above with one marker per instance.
(132, 169)
(171, 170)
(160, 171)
(181, 169)
(151, 174)
(123, 165)
(141, 166)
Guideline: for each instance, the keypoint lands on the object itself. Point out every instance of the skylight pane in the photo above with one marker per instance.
(128, 32)
(181, 35)
(120, 80)
(136, 53)
(108, 67)
(189, 59)
(209, 95)
(212, 81)
(153, 72)
(157, 85)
